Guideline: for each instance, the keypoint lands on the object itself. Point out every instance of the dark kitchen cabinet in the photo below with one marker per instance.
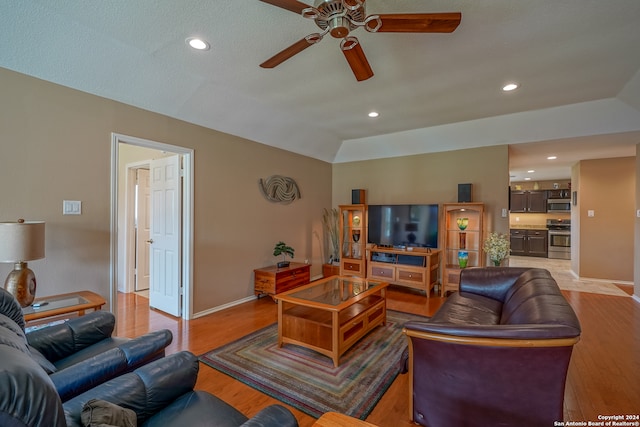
(525, 242)
(528, 201)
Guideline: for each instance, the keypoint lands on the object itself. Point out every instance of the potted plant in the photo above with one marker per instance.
(330, 219)
(281, 248)
(496, 245)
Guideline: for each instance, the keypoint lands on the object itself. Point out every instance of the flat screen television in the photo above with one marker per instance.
(402, 226)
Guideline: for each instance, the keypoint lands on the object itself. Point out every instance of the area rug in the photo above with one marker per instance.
(307, 380)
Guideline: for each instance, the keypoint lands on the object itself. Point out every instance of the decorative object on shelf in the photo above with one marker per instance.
(279, 189)
(497, 246)
(281, 248)
(20, 242)
(463, 258)
(330, 218)
(463, 223)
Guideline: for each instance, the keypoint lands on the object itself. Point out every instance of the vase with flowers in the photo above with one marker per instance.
(496, 245)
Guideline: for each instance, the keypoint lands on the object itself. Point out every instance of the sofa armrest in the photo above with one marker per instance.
(272, 416)
(89, 373)
(56, 342)
(527, 335)
(146, 348)
(146, 390)
(491, 282)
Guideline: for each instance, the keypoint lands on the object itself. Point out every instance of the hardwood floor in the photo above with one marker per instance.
(603, 379)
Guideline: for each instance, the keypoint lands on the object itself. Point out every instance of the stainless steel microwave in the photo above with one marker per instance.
(558, 205)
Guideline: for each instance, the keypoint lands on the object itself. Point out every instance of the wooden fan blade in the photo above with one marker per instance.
(292, 5)
(420, 22)
(355, 57)
(287, 53)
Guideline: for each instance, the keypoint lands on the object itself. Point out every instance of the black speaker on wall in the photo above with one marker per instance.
(358, 197)
(464, 193)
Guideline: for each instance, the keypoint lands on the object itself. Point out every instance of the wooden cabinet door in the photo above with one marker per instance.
(537, 201)
(537, 243)
(518, 241)
(518, 201)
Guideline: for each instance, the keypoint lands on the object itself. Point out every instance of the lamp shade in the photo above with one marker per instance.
(21, 241)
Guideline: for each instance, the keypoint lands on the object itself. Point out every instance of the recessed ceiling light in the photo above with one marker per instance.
(373, 114)
(551, 158)
(198, 44)
(530, 171)
(527, 179)
(509, 87)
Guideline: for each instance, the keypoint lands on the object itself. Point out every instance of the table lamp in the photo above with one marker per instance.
(20, 242)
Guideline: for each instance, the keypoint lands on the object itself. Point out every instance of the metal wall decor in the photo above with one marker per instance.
(279, 189)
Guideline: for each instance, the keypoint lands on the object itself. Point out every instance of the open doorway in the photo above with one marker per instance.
(123, 238)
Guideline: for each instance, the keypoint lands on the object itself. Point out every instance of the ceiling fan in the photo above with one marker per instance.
(340, 17)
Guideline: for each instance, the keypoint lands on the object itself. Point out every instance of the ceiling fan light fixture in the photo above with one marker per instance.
(198, 43)
(339, 27)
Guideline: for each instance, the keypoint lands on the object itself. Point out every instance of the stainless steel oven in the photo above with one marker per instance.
(559, 246)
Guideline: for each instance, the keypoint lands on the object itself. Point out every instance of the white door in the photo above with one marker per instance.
(143, 229)
(164, 287)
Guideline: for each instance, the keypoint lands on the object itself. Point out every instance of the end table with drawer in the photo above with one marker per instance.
(273, 280)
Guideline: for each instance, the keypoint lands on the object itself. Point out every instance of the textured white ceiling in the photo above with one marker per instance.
(578, 62)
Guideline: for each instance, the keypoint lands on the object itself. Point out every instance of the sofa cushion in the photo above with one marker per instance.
(97, 413)
(469, 309)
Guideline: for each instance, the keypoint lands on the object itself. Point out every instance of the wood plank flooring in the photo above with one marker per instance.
(603, 379)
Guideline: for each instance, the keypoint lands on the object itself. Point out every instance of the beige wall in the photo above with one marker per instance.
(606, 242)
(431, 178)
(55, 145)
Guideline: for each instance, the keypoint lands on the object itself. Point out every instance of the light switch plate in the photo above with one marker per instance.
(591, 213)
(71, 207)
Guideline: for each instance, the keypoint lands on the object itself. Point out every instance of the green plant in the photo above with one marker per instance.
(281, 248)
(330, 219)
(496, 245)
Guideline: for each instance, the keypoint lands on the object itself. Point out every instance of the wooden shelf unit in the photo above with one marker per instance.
(451, 239)
(418, 268)
(353, 225)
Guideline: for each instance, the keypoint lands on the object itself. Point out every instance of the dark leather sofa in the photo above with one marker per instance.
(496, 353)
(81, 353)
(160, 393)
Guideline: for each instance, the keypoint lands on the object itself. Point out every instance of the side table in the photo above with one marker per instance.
(273, 280)
(56, 305)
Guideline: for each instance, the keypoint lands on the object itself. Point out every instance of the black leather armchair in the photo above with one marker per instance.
(81, 353)
(495, 353)
(161, 394)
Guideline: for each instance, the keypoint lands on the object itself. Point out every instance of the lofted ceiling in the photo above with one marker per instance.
(577, 61)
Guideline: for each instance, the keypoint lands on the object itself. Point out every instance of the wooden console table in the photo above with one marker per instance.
(56, 305)
(273, 280)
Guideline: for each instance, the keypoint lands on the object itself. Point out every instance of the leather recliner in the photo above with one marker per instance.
(160, 393)
(496, 353)
(81, 353)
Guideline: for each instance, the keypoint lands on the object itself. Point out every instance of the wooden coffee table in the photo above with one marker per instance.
(56, 305)
(330, 315)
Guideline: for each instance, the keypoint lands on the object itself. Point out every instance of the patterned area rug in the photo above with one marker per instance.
(308, 380)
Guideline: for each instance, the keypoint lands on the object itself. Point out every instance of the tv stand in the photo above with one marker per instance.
(416, 268)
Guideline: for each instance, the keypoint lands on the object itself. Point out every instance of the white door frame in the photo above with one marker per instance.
(187, 218)
(130, 226)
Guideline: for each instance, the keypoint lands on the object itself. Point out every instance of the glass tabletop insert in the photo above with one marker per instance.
(334, 291)
(54, 303)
